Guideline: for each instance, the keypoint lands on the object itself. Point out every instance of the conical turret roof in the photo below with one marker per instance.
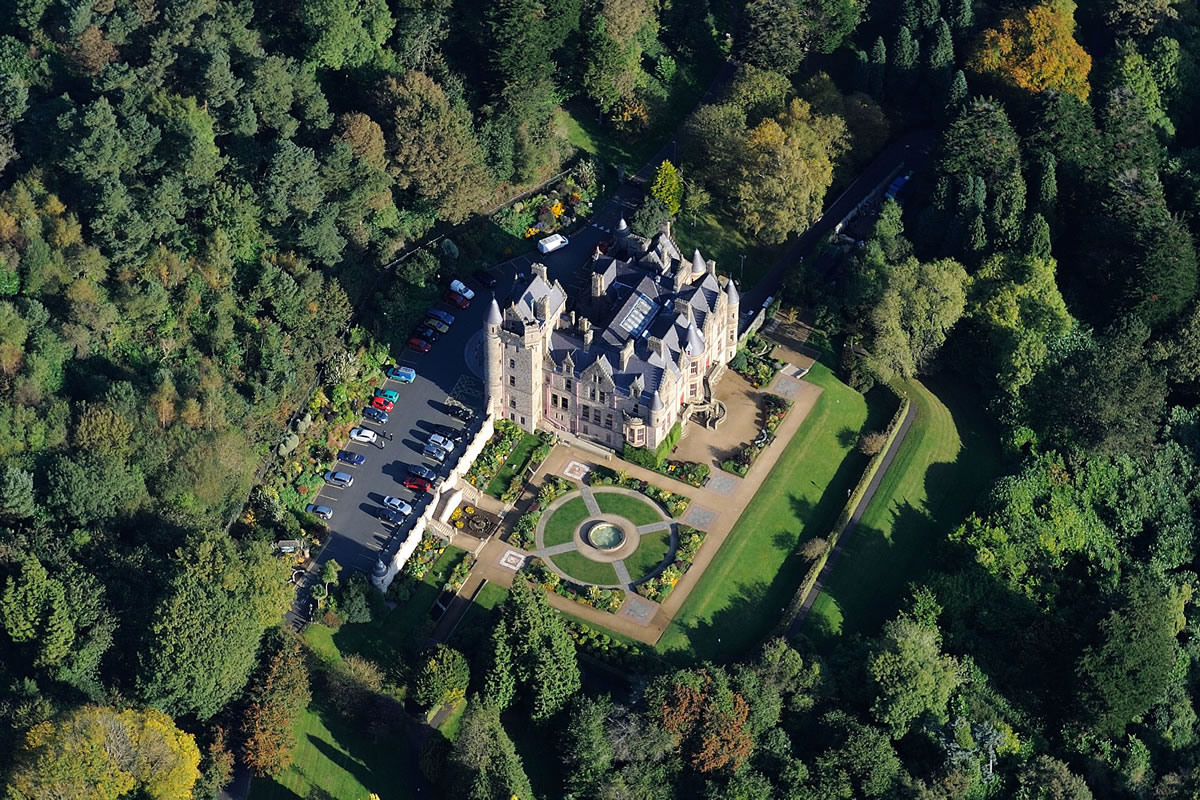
(731, 293)
(493, 317)
(698, 266)
(656, 403)
(695, 340)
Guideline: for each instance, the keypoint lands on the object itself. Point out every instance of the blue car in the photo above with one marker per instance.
(354, 459)
(437, 313)
(375, 414)
(402, 374)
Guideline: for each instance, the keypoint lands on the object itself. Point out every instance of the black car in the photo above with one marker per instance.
(455, 434)
(484, 277)
(428, 334)
(461, 412)
(422, 471)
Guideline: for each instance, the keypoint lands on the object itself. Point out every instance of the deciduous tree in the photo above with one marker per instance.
(278, 694)
(1036, 50)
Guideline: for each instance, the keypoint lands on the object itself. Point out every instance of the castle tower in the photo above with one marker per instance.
(493, 362)
(732, 308)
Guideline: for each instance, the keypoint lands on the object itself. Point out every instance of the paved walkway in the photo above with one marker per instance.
(852, 524)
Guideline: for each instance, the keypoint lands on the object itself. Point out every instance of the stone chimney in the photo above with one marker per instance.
(657, 345)
(540, 271)
(573, 323)
(665, 227)
(626, 353)
(680, 306)
(597, 285)
(681, 275)
(587, 338)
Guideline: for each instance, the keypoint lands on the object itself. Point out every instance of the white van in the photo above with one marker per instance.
(554, 241)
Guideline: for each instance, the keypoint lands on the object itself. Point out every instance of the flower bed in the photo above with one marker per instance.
(459, 575)
(523, 532)
(660, 586)
(753, 362)
(609, 600)
(425, 556)
(673, 503)
(552, 210)
(537, 455)
(494, 453)
(689, 472)
(775, 409)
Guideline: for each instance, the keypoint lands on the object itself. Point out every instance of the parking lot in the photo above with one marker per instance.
(451, 373)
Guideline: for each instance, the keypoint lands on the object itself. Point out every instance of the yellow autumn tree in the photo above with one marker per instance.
(99, 753)
(1036, 50)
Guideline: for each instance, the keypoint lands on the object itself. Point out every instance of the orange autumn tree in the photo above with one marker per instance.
(1036, 50)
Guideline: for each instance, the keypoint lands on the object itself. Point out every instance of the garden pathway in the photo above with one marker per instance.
(589, 500)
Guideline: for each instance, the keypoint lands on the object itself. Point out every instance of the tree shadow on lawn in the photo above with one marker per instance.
(848, 437)
(360, 772)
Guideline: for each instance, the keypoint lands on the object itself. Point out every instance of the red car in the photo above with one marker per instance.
(455, 299)
(417, 483)
(420, 345)
(383, 404)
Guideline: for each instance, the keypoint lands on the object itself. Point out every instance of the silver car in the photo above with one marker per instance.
(436, 453)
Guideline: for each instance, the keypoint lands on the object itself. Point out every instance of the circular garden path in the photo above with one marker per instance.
(650, 537)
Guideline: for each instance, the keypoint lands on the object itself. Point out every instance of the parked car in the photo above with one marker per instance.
(460, 287)
(555, 241)
(444, 316)
(342, 479)
(419, 345)
(391, 395)
(324, 512)
(396, 504)
(382, 403)
(375, 414)
(364, 435)
(438, 454)
(428, 334)
(485, 278)
(422, 471)
(417, 483)
(461, 412)
(353, 459)
(437, 440)
(454, 434)
(388, 515)
(455, 299)
(402, 374)
(436, 324)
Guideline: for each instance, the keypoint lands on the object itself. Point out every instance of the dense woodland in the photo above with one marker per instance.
(196, 194)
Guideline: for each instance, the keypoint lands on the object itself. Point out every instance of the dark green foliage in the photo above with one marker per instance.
(587, 752)
(651, 215)
(443, 677)
(483, 764)
(775, 36)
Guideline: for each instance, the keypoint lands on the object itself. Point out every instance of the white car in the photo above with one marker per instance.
(397, 505)
(460, 287)
(437, 440)
(364, 435)
(554, 241)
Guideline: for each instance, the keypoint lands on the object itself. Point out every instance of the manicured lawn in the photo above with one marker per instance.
(583, 569)
(561, 525)
(477, 622)
(639, 512)
(515, 461)
(346, 763)
(650, 553)
(719, 238)
(950, 456)
(742, 593)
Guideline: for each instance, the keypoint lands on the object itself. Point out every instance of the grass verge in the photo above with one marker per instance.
(756, 571)
(719, 238)
(517, 460)
(560, 527)
(583, 569)
(949, 457)
(639, 512)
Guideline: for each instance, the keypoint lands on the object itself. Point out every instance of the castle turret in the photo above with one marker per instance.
(493, 360)
(732, 308)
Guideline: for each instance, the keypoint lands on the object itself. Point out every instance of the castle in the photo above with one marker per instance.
(639, 353)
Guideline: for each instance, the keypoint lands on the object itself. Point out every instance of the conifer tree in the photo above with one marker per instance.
(878, 70)
(905, 56)
(668, 187)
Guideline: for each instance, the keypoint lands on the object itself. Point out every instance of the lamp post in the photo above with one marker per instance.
(741, 266)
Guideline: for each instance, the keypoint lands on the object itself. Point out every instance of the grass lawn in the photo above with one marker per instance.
(453, 721)
(639, 512)
(516, 461)
(650, 553)
(758, 568)
(331, 755)
(560, 527)
(950, 456)
(477, 622)
(720, 239)
(583, 569)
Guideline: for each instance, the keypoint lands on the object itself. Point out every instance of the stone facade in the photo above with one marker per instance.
(622, 364)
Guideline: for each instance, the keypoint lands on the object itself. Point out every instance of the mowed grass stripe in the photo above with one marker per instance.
(949, 457)
(739, 598)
